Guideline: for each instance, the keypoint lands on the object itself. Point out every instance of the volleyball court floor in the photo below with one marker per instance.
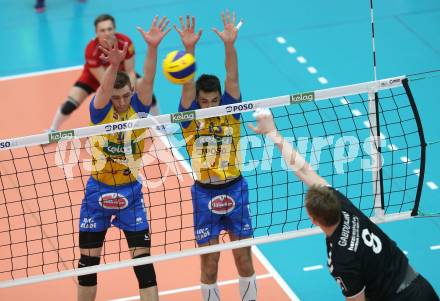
(177, 279)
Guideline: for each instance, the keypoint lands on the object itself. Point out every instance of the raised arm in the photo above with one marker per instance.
(152, 37)
(98, 73)
(293, 159)
(189, 40)
(129, 68)
(114, 56)
(228, 36)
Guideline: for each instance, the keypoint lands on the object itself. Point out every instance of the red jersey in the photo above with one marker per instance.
(93, 53)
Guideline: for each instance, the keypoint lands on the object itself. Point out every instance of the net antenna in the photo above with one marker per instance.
(372, 39)
(376, 135)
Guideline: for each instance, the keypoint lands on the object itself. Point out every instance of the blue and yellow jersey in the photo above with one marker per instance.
(213, 144)
(117, 158)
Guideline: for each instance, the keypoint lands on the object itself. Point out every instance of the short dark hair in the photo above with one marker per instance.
(122, 80)
(208, 83)
(323, 205)
(104, 17)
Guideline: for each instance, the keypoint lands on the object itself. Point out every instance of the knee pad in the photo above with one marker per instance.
(138, 239)
(88, 261)
(90, 240)
(145, 274)
(69, 106)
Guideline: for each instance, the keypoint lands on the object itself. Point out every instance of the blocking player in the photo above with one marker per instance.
(113, 193)
(220, 193)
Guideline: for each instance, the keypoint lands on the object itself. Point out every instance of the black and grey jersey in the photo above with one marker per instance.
(361, 257)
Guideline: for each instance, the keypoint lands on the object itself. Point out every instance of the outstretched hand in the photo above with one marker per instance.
(265, 124)
(111, 52)
(229, 33)
(187, 32)
(156, 33)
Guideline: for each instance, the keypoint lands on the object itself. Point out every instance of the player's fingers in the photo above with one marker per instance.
(181, 22)
(154, 21)
(234, 17)
(165, 25)
(255, 129)
(239, 24)
(125, 47)
(103, 57)
(188, 22)
(104, 50)
(228, 16)
(166, 31)
(223, 19)
(140, 30)
(177, 29)
(216, 31)
(193, 25)
(200, 33)
(106, 44)
(161, 22)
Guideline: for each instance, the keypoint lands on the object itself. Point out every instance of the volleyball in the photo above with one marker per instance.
(179, 67)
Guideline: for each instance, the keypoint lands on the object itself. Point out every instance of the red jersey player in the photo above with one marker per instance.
(94, 68)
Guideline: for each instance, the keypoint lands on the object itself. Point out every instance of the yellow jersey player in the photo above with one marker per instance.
(113, 193)
(220, 193)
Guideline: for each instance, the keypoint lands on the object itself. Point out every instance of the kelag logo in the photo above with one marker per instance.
(183, 116)
(239, 107)
(63, 135)
(302, 97)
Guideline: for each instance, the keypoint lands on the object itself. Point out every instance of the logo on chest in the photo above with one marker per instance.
(221, 204)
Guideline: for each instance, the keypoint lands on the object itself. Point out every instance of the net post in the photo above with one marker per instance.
(376, 153)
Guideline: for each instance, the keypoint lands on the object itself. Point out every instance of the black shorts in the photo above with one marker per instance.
(420, 290)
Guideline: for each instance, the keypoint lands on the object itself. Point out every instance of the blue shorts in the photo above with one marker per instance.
(226, 208)
(123, 203)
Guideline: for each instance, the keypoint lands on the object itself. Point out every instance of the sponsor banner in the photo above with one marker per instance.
(119, 127)
(302, 97)
(183, 116)
(113, 201)
(391, 82)
(240, 107)
(221, 204)
(117, 149)
(5, 144)
(62, 135)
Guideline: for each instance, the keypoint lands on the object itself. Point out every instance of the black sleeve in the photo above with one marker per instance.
(347, 273)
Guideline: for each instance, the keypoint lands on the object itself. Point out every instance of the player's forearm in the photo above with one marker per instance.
(150, 64)
(188, 89)
(188, 94)
(98, 73)
(132, 76)
(231, 63)
(190, 49)
(104, 92)
(293, 159)
(109, 77)
(296, 161)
